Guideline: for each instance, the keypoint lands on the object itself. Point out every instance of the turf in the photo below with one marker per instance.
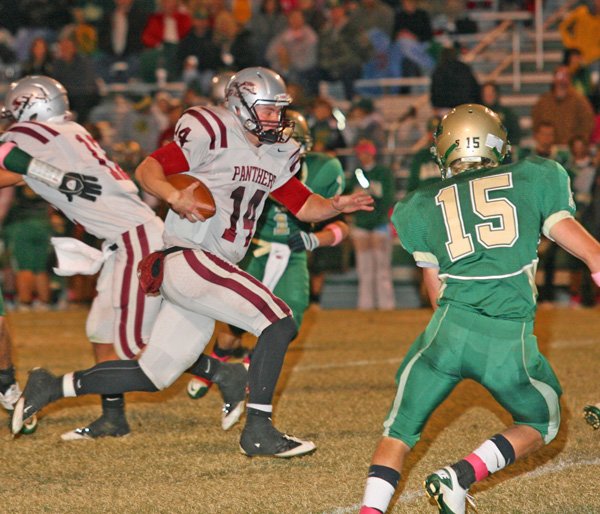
(336, 388)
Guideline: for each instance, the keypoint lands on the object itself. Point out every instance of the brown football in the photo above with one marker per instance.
(202, 193)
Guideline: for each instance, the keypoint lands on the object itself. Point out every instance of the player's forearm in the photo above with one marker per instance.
(576, 240)
(152, 179)
(316, 208)
(12, 158)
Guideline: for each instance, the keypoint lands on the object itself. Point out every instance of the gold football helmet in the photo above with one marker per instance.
(301, 132)
(469, 137)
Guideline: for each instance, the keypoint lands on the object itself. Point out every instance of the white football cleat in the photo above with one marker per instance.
(443, 487)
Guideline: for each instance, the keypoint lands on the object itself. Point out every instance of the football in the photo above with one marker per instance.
(202, 193)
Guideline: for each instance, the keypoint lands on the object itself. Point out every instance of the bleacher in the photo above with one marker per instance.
(519, 53)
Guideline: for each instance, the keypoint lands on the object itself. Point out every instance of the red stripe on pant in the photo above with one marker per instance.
(233, 285)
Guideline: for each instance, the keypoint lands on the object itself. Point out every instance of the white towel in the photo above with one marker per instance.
(276, 264)
(77, 258)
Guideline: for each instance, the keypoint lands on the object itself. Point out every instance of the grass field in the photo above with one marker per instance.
(336, 388)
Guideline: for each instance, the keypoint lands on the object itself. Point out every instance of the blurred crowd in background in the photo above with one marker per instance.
(131, 68)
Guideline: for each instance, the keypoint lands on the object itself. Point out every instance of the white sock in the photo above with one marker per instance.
(378, 493)
(489, 453)
(260, 406)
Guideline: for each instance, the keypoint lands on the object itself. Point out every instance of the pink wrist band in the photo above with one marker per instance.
(596, 278)
(5, 149)
(338, 235)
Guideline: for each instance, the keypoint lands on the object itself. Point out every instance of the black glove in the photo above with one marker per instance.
(302, 241)
(84, 186)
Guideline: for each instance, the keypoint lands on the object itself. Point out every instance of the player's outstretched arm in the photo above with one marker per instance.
(576, 240)
(317, 208)
(15, 160)
(151, 176)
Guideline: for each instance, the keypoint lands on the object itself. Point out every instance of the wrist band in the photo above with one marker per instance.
(596, 278)
(45, 173)
(338, 235)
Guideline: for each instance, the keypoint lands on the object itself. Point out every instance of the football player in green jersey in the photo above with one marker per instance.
(476, 235)
(278, 254)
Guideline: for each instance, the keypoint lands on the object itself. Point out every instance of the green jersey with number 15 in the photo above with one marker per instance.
(482, 229)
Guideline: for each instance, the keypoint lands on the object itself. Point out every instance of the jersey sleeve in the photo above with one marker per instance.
(412, 231)
(555, 195)
(330, 180)
(291, 166)
(197, 132)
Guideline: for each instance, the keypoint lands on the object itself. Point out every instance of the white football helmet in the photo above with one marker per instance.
(259, 86)
(469, 137)
(36, 97)
(218, 86)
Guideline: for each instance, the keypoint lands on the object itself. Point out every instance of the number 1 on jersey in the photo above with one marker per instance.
(460, 243)
(237, 195)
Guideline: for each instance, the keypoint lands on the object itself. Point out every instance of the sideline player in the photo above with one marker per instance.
(242, 154)
(20, 163)
(121, 316)
(277, 256)
(476, 234)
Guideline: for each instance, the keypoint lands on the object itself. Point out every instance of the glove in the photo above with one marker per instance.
(302, 241)
(84, 186)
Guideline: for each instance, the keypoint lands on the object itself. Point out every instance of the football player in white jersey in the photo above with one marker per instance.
(109, 208)
(242, 154)
(15, 160)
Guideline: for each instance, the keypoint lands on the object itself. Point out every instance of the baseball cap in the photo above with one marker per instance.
(366, 147)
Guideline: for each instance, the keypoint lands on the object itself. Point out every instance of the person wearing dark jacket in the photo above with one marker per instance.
(453, 83)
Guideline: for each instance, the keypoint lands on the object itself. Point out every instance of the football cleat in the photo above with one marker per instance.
(232, 380)
(198, 387)
(41, 389)
(263, 439)
(443, 487)
(102, 427)
(8, 399)
(591, 413)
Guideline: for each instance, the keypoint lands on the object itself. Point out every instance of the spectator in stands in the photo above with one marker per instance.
(324, 129)
(234, 43)
(570, 112)
(264, 25)
(174, 112)
(199, 53)
(84, 34)
(453, 83)
(413, 34)
(373, 14)
(365, 122)
(578, 71)
(142, 125)
(313, 14)
(370, 233)
(490, 97)
(343, 49)
(579, 29)
(293, 53)
(40, 60)
(120, 42)
(77, 73)
(164, 30)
